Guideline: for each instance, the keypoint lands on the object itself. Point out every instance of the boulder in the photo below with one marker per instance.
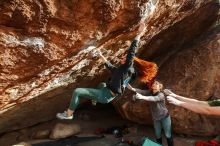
(62, 130)
(45, 53)
(192, 72)
(41, 134)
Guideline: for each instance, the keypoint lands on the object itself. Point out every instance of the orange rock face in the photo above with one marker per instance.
(197, 76)
(45, 53)
(192, 72)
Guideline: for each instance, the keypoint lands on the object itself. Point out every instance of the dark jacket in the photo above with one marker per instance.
(123, 72)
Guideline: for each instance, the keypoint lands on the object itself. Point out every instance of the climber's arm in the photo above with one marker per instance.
(134, 45)
(107, 63)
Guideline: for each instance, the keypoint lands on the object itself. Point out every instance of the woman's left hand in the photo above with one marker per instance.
(169, 93)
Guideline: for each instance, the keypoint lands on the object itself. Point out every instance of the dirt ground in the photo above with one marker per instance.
(91, 119)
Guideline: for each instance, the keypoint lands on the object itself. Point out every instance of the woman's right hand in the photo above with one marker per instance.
(169, 93)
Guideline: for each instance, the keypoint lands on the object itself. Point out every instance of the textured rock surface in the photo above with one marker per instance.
(44, 47)
(64, 130)
(195, 73)
(192, 72)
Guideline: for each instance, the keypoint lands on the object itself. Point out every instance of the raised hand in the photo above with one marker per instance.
(99, 52)
(142, 27)
(141, 31)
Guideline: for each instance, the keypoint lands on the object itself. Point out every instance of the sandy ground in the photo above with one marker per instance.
(90, 119)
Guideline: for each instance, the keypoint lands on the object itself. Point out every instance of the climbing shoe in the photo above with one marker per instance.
(63, 116)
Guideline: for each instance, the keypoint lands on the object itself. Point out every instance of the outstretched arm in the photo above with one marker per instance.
(201, 109)
(102, 57)
(141, 31)
(107, 63)
(155, 98)
(185, 99)
(144, 92)
(207, 110)
(134, 45)
(189, 100)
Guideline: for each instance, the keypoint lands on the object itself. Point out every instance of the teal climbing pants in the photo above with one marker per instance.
(166, 124)
(102, 95)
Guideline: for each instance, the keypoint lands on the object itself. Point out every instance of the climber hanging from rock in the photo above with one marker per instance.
(106, 92)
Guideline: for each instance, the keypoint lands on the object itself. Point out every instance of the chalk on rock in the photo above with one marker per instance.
(62, 130)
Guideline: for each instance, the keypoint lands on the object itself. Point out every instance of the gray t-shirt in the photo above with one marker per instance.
(157, 104)
(158, 107)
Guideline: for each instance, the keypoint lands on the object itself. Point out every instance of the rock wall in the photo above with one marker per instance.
(197, 76)
(192, 72)
(45, 53)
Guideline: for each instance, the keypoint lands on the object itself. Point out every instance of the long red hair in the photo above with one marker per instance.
(147, 71)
